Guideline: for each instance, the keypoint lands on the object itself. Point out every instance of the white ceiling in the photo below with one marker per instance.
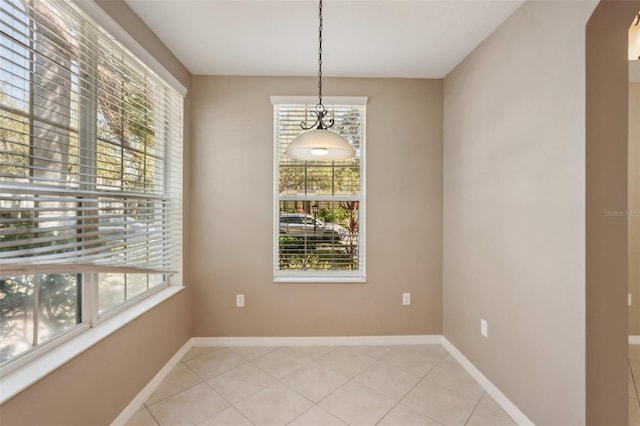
(361, 38)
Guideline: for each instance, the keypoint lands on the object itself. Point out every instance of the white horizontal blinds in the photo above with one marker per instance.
(39, 114)
(91, 149)
(338, 178)
(323, 196)
(325, 241)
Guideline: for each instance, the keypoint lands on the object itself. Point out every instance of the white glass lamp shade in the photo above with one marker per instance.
(634, 40)
(320, 145)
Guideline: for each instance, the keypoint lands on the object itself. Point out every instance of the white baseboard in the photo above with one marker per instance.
(489, 387)
(319, 341)
(146, 392)
(634, 340)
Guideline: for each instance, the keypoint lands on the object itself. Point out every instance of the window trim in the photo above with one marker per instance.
(326, 277)
(311, 276)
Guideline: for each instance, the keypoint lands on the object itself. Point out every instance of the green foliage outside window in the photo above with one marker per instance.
(56, 309)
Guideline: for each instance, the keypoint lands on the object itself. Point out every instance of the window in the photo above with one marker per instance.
(90, 176)
(319, 232)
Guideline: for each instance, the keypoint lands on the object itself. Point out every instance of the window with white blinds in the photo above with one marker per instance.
(319, 223)
(90, 173)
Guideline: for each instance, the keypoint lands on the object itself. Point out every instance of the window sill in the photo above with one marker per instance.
(22, 377)
(306, 278)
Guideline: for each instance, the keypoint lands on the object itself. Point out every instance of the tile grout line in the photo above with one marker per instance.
(153, 417)
(475, 407)
(300, 415)
(381, 359)
(177, 392)
(327, 395)
(410, 390)
(232, 405)
(277, 380)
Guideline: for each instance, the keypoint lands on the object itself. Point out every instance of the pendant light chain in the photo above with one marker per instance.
(320, 111)
(319, 144)
(320, 56)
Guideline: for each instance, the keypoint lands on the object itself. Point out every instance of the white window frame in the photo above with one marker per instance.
(27, 368)
(315, 276)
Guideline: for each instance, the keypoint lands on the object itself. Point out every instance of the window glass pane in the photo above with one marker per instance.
(126, 149)
(14, 143)
(319, 201)
(156, 279)
(325, 238)
(111, 290)
(320, 179)
(16, 315)
(58, 309)
(116, 288)
(58, 304)
(136, 284)
(349, 123)
(291, 180)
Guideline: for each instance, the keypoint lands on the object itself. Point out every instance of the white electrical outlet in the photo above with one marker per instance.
(240, 300)
(406, 299)
(484, 328)
(629, 299)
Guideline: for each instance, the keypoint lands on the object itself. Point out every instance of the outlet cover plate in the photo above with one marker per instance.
(484, 328)
(406, 299)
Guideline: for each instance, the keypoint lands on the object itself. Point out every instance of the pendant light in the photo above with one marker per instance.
(320, 144)
(634, 40)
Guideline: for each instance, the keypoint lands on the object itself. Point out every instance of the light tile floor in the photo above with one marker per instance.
(321, 386)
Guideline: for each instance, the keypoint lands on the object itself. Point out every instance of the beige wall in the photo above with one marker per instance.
(514, 209)
(232, 213)
(634, 208)
(94, 387)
